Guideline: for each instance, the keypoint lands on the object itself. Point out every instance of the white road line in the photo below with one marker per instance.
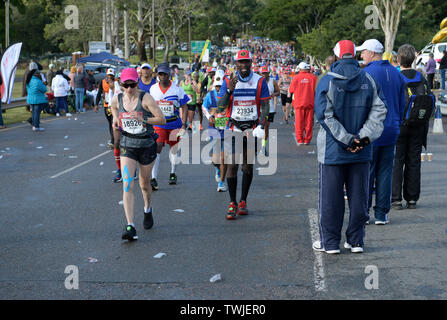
(80, 165)
(319, 277)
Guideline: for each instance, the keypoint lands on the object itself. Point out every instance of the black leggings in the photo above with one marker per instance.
(110, 120)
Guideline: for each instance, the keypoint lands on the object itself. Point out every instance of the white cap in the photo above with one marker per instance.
(371, 45)
(215, 65)
(51, 66)
(146, 65)
(33, 66)
(111, 72)
(218, 78)
(303, 66)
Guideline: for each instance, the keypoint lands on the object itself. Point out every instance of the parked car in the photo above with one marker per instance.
(179, 61)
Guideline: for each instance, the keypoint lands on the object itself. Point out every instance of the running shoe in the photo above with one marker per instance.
(154, 184)
(397, 205)
(354, 248)
(411, 204)
(129, 233)
(242, 208)
(232, 211)
(318, 247)
(118, 177)
(221, 187)
(172, 178)
(382, 222)
(217, 176)
(148, 221)
(68, 114)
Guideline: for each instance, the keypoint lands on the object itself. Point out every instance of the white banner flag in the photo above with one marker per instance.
(8, 70)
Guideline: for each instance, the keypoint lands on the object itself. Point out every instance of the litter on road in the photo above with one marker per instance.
(217, 277)
(159, 255)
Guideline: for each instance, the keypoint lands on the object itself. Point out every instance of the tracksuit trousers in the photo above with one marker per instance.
(332, 179)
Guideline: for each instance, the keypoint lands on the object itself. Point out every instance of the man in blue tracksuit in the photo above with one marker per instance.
(393, 88)
(350, 110)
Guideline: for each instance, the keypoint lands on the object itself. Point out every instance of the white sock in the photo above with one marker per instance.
(148, 210)
(155, 168)
(131, 224)
(173, 159)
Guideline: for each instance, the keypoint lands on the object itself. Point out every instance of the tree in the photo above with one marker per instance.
(16, 5)
(70, 40)
(346, 22)
(389, 15)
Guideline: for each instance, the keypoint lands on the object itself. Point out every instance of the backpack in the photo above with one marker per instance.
(421, 102)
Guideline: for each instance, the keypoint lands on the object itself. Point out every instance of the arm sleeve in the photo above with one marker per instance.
(373, 127)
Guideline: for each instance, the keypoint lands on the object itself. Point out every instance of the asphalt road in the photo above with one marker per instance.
(60, 208)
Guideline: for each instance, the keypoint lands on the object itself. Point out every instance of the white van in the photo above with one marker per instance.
(436, 49)
(180, 62)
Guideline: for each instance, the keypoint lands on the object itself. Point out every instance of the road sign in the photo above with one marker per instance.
(198, 45)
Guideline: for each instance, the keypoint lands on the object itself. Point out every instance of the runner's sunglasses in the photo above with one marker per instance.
(127, 85)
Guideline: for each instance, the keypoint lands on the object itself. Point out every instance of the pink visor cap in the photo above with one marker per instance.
(129, 74)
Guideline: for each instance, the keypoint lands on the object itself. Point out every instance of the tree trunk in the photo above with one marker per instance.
(126, 34)
(104, 23)
(389, 16)
(166, 55)
(141, 43)
(108, 21)
(117, 28)
(151, 51)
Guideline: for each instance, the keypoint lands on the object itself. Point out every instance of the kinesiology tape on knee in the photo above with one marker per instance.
(127, 178)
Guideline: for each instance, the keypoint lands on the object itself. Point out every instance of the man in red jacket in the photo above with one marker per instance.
(303, 89)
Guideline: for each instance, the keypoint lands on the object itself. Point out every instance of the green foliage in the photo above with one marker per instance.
(90, 26)
(346, 22)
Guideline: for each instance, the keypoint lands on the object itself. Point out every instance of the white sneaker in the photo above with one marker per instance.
(318, 247)
(58, 114)
(68, 114)
(41, 129)
(221, 187)
(382, 222)
(355, 249)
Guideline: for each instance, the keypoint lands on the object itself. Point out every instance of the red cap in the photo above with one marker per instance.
(344, 47)
(264, 69)
(243, 55)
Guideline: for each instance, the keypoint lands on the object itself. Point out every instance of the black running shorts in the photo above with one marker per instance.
(192, 107)
(144, 156)
(285, 100)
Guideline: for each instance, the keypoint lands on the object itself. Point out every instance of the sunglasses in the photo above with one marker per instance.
(131, 85)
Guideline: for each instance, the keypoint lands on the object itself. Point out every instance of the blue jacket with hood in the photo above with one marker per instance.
(348, 104)
(393, 88)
